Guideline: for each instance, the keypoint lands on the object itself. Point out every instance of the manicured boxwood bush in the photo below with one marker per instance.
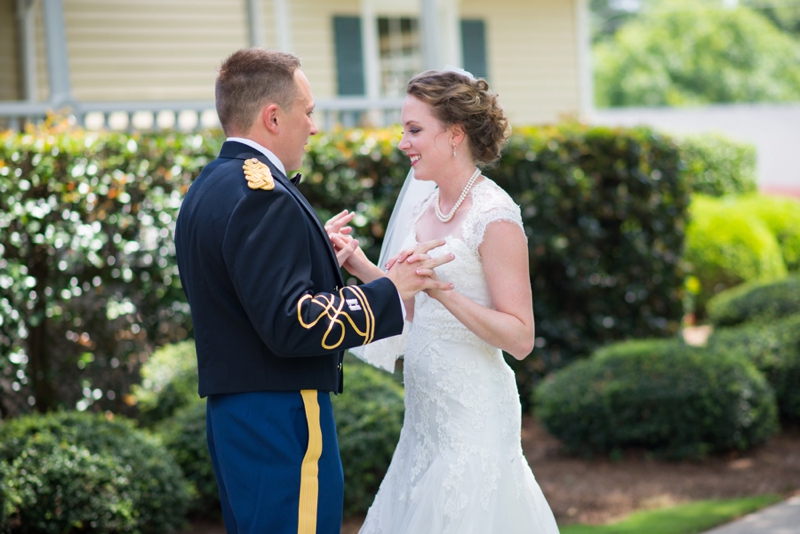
(184, 435)
(774, 347)
(143, 475)
(169, 382)
(757, 301)
(782, 217)
(672, 399)
(54, 488)
(369, 416)
(726, 246)
(716, 165)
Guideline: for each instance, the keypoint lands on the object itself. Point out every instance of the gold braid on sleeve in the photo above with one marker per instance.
(337, 316)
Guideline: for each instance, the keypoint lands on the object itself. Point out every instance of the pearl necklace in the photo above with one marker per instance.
(446, 218)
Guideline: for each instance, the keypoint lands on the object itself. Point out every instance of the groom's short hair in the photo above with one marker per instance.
(250, 79)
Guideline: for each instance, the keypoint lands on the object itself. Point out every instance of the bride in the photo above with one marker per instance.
(458, 467)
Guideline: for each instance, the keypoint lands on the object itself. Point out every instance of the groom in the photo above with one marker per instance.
(271, 314)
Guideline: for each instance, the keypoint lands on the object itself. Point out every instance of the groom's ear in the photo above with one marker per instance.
(269, 116)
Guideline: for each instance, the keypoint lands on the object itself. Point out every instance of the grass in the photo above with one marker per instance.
(691, 518)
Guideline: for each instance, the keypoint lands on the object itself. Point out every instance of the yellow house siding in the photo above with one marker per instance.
(313, 40)
(9, 52)
(150, 49)
(532, 56)
(42, 79)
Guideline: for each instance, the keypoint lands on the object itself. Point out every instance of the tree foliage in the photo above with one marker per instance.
(687, 52)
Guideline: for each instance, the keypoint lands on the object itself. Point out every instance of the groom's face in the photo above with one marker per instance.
(297, 123)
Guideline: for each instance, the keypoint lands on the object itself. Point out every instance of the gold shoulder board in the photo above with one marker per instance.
(258, 175)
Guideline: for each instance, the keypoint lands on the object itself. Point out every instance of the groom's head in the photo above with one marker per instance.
(264, 96)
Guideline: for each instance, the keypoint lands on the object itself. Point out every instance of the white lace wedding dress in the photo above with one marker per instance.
(458, 467)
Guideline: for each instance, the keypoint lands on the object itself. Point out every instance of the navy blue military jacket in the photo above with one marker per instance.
(269, 307)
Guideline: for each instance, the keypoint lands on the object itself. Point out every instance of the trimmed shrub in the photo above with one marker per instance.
(716, 165)
(155, 485)
(369, 416)
(184, 435)
(54, 488)
(756, 301)
(169, 382)
(726, 246)
(672, 399)
(782, 217)
(774, 348)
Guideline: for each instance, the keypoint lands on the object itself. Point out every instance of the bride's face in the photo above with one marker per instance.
(425, 140)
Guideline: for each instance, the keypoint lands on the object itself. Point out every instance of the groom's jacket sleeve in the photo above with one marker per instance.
(270, 250)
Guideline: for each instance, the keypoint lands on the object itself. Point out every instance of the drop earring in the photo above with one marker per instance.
(454, 150)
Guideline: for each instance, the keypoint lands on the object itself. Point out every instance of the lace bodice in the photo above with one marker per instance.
(490, 204)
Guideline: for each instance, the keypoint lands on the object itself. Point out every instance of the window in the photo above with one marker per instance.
(400, 53)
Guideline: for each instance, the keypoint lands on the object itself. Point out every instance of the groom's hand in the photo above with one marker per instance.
(414, 275)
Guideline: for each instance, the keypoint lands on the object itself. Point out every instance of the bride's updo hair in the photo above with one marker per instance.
(455, 98)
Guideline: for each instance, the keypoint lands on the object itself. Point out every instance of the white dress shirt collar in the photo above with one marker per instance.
(270, 156)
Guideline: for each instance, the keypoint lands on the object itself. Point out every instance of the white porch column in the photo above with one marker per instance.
(283, 25)
(584, 52)
(27, 53)
(57, 56)
(451, 34)
(370, 49)
(255, 24)
(431, 44)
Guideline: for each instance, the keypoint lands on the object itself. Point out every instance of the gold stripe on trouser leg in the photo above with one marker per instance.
(309, 472)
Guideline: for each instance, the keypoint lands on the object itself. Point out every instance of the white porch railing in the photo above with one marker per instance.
(192, 115)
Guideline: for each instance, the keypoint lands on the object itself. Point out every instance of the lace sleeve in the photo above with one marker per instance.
(384, 353)
(490, 204)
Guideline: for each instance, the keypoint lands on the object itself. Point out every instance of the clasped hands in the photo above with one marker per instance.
(411, 270)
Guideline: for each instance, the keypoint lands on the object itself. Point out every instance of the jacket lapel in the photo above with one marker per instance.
(234, 150)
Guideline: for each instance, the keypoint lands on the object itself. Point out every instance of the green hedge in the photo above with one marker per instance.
(88, 280)
(716, 166)
(669, 398)
(169, 382)
(774, 348)
(95, 468)
(369, 416)
(87, 220)
(726, 246)
(605, 211)
(756, 301)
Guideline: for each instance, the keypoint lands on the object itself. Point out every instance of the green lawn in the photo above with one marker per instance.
(689, 518)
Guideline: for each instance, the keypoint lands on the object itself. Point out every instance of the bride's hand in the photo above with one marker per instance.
(433, 293)
(345, 247)
(411, 255)
(336, 224)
